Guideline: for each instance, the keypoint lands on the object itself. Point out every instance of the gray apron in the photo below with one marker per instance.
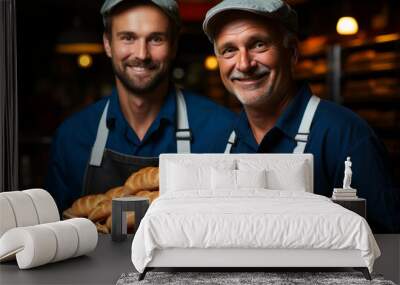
(107, 169)
(303, 132)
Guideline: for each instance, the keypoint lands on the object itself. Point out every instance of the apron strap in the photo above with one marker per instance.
(304, 128)
(303, 132)
(183, 132)
(231, 142)
(101, 139)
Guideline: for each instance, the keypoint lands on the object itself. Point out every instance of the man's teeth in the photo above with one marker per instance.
(138, 68)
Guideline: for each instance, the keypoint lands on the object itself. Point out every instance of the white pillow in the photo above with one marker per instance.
(281, 174)
(183, 178)
(223, 179)
(187, 175)
(292, 179)
(251, 178)
(236, 179)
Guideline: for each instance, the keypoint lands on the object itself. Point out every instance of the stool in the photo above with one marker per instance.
(120, 206)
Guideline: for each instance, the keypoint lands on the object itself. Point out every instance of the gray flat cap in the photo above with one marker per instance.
(274, 9)
(170, 7)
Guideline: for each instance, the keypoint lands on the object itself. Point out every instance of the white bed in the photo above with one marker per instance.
(247, 211)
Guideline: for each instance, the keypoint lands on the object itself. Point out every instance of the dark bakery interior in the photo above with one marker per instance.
(360, 71)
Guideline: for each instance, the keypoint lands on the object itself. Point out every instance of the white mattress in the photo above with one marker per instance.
(253, 218)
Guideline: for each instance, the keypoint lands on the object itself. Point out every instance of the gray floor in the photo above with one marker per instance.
(110, 260)
(102, 266)
(389, 262)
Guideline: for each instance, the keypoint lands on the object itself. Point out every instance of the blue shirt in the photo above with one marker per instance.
(335, 133)
(210, 124)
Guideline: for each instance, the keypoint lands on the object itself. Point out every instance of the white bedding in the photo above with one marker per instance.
(252, 218)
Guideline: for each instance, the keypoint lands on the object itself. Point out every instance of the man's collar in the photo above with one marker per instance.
(290, 119)
(167, 111)
(244, 132)
(288, 122)
(115, 117)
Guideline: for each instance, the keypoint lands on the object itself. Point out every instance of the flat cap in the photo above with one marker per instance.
(274, 9)
(170, 7)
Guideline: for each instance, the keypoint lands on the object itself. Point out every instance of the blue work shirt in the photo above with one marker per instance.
(210, 124)
(335, 134)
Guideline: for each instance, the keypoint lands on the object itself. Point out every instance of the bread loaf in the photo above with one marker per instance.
(102, 228)
(144, 179)
(130, 220)
(84, 205)
(98, 207)
(115, 192)
(101, 211)
(68, 214)
(152, 195)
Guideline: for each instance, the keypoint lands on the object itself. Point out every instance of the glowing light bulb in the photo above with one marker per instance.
(85, 61)
(211, 63)
(347, 26)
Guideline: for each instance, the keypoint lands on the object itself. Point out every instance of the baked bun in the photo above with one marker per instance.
(152, 195)
(102, 228)
(84, 205)
(68, 214)
(144, 179)
(115, 192)
(101, 211)
(130, 219)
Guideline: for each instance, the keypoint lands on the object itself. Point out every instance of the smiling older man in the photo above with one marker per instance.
(256, 47)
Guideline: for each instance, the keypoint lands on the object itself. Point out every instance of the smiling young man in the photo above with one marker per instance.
(146, 115)
(256, 47)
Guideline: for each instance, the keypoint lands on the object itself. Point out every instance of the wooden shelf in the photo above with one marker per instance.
(358, 99)
(377, 72)
(311, 78)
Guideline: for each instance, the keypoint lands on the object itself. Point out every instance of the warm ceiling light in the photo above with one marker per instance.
(387, 38)
(85, 61)
(347, 26)
(211, 63)
(79, 48)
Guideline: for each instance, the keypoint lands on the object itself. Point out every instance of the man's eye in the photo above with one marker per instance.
(127, 38)
(260, 45)
(157, 40)
(228, 52)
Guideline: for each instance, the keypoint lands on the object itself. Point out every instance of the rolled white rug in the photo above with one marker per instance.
(45, 205)
(26, 208)
(7, 218)
(22, 207)
(33, 246)
(66, 238)
(87, 235)
(41, 244)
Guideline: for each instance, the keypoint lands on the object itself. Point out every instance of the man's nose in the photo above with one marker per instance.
(245, 62)
(142, 51)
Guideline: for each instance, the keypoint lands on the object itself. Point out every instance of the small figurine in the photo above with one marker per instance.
(347, 174)
(347, 192)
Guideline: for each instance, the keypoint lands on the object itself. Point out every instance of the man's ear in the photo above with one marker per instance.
(107, 44)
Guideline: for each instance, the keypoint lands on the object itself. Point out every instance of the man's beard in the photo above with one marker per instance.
(136, 86)
(258, 71)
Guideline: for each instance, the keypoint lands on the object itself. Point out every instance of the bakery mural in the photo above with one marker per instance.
(191, 116)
